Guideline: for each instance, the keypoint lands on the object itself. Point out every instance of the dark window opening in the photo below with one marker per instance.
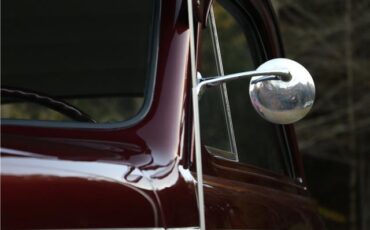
(88, 54)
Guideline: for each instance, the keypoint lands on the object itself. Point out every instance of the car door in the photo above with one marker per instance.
(252, 173)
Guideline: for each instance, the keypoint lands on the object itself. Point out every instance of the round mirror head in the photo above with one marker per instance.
(282, 102)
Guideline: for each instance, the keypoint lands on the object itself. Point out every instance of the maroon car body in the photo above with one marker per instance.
(143, 176)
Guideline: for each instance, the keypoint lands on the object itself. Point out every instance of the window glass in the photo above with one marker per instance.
(258, 142)
(76, 53)
(212, 112)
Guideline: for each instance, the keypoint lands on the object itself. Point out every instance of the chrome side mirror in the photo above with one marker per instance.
(279, 101)
(281, 90)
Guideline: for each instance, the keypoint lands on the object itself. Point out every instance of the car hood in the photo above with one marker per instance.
(77, 184)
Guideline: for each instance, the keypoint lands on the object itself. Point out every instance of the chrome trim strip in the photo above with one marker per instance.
(198, 156)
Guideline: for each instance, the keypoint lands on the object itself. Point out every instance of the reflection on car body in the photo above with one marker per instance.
(99, 121)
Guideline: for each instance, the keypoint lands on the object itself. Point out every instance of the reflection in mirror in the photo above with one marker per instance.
(282, 102)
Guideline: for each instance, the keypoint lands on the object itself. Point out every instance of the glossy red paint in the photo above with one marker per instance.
(96, 178)
(139, 176)
(241, 196)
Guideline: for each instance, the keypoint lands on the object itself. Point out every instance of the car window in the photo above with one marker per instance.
(212, 102)
(66, 59)
(258, 142)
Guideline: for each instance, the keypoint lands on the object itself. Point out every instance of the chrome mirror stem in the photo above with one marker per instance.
(283, 75)
(281, 91)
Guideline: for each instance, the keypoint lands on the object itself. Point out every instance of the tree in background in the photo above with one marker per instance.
(332, 39)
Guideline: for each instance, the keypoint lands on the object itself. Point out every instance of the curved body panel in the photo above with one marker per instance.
(140, 176)
(46, 192)
(110, 177)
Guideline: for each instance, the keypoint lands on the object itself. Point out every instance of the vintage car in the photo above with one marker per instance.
(155, 114)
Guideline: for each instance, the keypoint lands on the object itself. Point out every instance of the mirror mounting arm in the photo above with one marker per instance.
(283, 75)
